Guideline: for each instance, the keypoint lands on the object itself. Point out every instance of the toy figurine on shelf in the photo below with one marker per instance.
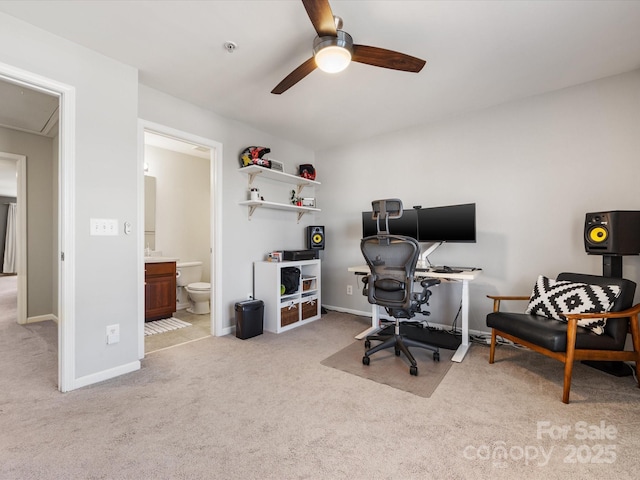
(295, 200)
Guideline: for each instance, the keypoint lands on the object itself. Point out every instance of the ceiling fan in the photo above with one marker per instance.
(333, 49)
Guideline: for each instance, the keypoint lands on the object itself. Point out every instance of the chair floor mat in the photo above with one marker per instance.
(392, 370)
(435, 337)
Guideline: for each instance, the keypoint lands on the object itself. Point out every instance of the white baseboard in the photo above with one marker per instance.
(227, 331)
(42, 318)
(348, 310)
(105, 375)
(368, 314)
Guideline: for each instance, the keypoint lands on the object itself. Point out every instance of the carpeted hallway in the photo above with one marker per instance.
(267, 408)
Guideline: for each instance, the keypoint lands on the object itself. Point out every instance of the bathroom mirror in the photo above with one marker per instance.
(150, 212)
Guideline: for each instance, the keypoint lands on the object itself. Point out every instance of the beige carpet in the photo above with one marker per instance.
(267, 409)
(390, 370)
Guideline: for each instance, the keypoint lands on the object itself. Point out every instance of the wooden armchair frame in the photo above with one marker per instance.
(572, 353)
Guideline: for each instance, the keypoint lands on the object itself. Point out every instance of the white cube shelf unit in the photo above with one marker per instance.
(284, 312)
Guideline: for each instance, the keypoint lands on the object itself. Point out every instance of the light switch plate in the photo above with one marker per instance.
(103, 226)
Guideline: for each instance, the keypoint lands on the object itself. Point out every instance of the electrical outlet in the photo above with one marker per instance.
(113, 334)
(349, 289)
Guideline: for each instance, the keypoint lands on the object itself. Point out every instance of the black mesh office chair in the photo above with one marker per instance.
(392, 260)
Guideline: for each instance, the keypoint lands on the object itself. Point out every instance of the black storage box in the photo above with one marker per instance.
(249, 318)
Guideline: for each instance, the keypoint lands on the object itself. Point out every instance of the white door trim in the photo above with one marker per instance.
(66, 214)
(216, 225)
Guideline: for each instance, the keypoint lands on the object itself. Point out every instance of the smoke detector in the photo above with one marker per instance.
(230, 46)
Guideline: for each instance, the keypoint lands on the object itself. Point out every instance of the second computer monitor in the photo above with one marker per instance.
(452, 223)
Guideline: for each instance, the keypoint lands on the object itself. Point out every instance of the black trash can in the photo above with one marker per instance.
(249, 318)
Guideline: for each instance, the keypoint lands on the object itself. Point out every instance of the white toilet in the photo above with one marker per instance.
(188, 277)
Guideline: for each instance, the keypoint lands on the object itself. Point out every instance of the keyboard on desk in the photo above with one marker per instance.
(446, 269)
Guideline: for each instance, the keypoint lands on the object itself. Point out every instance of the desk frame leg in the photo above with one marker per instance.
(462, 350)
(464, 346)
(375, 324)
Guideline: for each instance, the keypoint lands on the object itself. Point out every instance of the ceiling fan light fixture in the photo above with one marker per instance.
(333, 59)
(333, 54)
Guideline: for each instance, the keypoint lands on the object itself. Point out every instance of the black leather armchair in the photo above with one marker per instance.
(566, 341)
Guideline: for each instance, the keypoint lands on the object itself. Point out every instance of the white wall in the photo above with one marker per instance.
(243, 241)
(106, 287)
(41, 276)
(183, 217)
(534, 168)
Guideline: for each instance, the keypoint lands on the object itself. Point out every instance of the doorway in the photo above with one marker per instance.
(200, 243)
(59, 276)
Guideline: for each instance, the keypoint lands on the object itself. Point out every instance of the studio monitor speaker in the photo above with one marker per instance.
(315, 237)
(612, 233)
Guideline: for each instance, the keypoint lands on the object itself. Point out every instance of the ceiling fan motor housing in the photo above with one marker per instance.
(343, 40)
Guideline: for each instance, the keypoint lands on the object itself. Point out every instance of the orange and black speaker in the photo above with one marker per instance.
(315, 237)
(612, 233)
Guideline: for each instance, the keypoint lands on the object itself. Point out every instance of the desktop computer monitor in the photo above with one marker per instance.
(406, 225)
(451, 224)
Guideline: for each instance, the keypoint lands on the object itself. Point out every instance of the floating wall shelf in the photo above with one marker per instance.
(254, 171)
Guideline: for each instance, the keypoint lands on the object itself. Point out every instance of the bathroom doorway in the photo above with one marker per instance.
(180, 217)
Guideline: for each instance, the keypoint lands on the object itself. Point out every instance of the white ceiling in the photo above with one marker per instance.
(168, 143)
(479, 53)
(28, 110)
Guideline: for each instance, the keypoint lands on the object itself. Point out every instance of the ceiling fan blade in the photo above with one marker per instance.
(380, 57)
(321, 16)
(294, 77)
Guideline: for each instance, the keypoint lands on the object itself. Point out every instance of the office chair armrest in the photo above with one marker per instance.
(422, 297)
(498, 298)
(365, 285)
(429, 282)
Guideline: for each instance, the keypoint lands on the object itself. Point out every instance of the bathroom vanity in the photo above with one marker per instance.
(159, 288)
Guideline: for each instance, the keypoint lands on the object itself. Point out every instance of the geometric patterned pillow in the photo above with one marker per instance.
(552, 298)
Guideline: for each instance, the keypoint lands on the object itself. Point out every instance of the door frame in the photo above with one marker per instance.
(215, 209)
(66, 213)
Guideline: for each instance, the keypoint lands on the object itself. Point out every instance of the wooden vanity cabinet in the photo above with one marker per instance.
(159, 290)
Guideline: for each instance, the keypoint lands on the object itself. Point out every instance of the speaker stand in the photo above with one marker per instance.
(612, 266)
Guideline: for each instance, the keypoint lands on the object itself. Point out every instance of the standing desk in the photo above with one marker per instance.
(465, 277)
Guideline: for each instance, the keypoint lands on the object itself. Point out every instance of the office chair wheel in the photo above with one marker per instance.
(367, 344)
(397, 352)
(365, 360)
(413, 370)
(436, 356)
